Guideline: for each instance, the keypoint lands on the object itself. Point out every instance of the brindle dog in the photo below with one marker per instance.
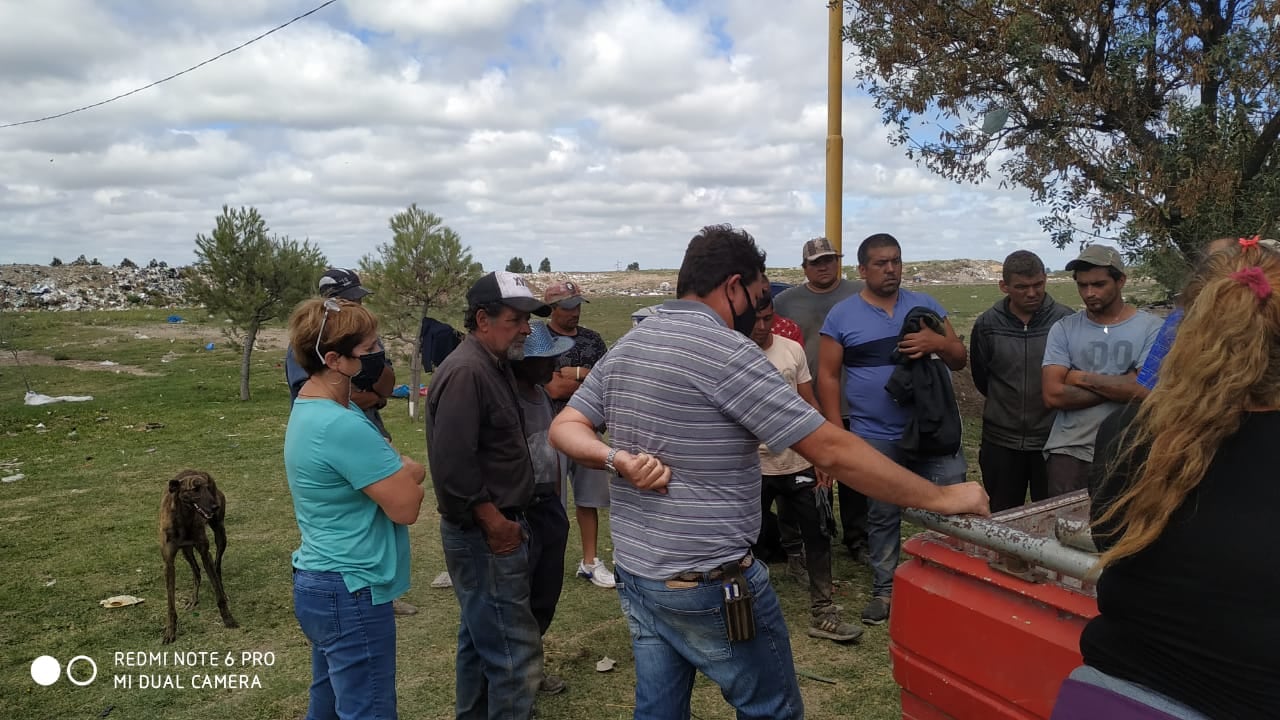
(191, 502)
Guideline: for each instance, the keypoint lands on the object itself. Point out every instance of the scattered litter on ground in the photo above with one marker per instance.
(606, 664)
(107, 363)
(169, 357)
(153, 426)
(51, 583)
(140, 336)
(116, 601)
(442, 581)
(35, 398)
(13, 478)
(209, 346)
(175, 319)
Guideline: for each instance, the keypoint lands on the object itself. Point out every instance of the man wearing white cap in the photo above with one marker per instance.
(1090, 366)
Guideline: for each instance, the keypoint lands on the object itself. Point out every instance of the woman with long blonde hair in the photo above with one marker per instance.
(1185, 489)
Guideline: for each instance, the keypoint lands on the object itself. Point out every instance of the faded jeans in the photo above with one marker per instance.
(884, 520)
(499, 661)
(677, 632)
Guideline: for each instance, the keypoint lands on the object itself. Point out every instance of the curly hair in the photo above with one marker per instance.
(1224, 362)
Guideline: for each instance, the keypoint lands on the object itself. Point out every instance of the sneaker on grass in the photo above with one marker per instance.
(597, 573)
(827, 625)
(402, 608)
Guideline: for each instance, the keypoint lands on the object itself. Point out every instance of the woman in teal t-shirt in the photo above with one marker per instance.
(353, 498)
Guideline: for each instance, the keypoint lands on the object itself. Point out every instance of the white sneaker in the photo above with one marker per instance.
(597, 573)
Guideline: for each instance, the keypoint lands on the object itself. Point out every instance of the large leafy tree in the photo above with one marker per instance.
(424, 270)
(250, 277)
(1155, 121)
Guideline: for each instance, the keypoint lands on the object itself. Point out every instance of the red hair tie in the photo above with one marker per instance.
(1247, 243)
(1254, 279)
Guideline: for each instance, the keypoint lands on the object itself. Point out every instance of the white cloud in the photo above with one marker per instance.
(590, 133)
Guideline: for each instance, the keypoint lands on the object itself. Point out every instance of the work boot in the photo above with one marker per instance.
(876, 611)
(797, 569)
(551, 685)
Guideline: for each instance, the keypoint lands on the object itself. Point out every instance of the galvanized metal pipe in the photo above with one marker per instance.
(1046, 552)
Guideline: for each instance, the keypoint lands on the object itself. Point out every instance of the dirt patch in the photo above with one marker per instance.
(272, 338)
(967, 396)
(26, 357)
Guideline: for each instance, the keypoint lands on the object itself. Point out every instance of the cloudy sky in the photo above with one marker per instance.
(592, 133)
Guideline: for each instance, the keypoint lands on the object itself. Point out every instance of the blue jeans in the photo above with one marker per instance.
(884, 520)
(499, 662)
(677, 632)
(353, 648)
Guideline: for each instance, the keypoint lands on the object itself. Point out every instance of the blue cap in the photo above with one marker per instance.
(541, 343)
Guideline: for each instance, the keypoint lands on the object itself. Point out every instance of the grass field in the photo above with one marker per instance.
(81, 526)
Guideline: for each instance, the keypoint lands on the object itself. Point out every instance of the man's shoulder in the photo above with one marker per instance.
(1149, 319)
(588, 335)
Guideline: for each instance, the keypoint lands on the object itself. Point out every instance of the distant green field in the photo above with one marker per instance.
(81, 526)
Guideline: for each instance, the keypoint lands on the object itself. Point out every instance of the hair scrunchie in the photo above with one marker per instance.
(1246, 243)
(1254, 279)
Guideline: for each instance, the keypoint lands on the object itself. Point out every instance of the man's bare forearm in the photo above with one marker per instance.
(1117, 388)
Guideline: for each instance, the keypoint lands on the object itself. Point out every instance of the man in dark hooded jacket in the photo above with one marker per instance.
(1005, 353)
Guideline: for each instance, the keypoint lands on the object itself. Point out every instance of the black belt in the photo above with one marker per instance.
(716, 573)
(513, 514)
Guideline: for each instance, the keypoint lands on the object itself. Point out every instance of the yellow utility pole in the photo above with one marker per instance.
(835, 140)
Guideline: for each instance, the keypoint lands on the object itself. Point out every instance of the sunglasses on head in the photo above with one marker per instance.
(330, 305)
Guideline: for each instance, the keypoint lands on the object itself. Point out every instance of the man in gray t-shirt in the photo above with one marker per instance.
(1090, 365)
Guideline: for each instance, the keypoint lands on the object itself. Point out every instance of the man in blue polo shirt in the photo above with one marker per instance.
(858, 338)
(686, 389)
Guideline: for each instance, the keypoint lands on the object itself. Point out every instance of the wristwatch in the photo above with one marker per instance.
(608, 461)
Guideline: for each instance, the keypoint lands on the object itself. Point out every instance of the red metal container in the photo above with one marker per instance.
(987, 614)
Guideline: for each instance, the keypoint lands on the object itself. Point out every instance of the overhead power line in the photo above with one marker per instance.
(167, 79)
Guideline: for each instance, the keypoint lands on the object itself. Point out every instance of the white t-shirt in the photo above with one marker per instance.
(788, 357)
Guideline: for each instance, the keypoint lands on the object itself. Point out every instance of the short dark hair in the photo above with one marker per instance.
(493, 309)
(1021, 262)
(1114, 272)
(714, 254)
(872, 242)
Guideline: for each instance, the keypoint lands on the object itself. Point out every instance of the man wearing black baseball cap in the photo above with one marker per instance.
(342, 283)
(484, 482)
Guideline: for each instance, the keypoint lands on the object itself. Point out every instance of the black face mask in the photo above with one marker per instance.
(371, 366)
(745, 321)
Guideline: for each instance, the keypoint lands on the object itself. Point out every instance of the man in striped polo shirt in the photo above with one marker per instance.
(685, 388)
